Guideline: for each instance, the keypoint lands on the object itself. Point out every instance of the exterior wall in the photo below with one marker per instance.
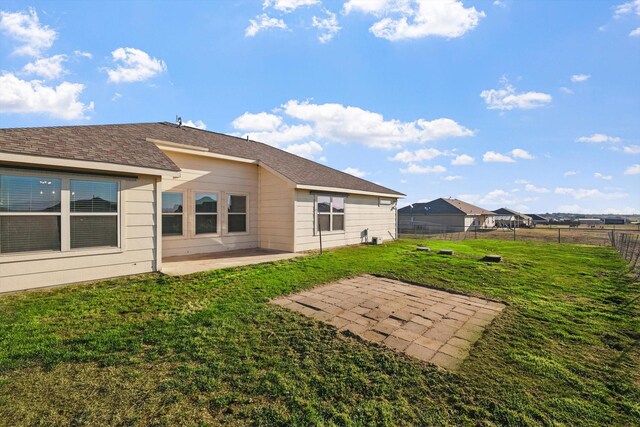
(275, 212)
(200, 174)
(135, 255)
(361, 212)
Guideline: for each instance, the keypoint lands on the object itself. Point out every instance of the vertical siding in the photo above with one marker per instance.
(215, 175)
(276, 212)
(136, 254)
(361, 212)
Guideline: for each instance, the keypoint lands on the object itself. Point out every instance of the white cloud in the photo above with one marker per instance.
(25, 97)
(627, 8)
(602, 176)
(519, 153)
(116, 96)
(570, 173)
(412, 19)
(635, 33)
(493, 157)
(417, 156)
(263, 22)
(257, 122)
(355, 172)
(284, 134)
(328, 26)
(452, 178)
(597, 138)
(591, 194)
(134, 65)
(198, 124)
(566, 90)
(499, 197)
(287, 6)
(345, 124)
(500, 3)
(632, 170)
(631, 149)
(506, 98)
(417, 169)
(308, 150)
(83, 54)
(579, 78)
(533, 189)
(463, 159)
(49, 68)
(27, 30)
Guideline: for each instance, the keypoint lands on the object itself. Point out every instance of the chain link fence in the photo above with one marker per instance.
(579, 235)
(628, 245)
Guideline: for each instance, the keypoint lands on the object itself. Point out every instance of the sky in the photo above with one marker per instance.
(531, 105)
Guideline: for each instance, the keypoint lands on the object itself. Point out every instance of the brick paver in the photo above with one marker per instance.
(427, 324)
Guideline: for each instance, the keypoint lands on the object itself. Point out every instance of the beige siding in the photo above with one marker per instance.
(276, 212)
(136, 254)
(201, 174)
(361, 212)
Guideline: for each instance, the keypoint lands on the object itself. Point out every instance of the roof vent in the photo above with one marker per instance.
(179, 121)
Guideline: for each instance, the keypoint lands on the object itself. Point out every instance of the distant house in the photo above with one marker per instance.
(537, 219)
(589, 221)
(614, 221)
(84, 203)
(452, 214)
(508, 218)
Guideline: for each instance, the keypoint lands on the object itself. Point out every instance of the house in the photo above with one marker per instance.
(508, 218)
(537, 219)
(450, 214)
(84, 203)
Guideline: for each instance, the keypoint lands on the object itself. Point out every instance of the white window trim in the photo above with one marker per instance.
(192, 215)
(184, 216)
(316, 213)
(226, 211)
(65, 218)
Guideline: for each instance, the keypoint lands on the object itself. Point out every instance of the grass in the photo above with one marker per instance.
(208, 349)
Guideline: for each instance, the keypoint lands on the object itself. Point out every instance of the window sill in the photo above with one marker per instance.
(330, 233)
(36, 256)
(174, 237)
(205, 235)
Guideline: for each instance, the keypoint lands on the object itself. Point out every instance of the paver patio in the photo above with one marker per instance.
(431, 325)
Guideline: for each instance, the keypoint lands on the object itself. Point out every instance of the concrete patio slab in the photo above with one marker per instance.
(427, 324)
(181, 265)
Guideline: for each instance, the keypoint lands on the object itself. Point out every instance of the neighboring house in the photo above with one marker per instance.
(89, 202)
(537, 219)
(439, 214)
(508, 218)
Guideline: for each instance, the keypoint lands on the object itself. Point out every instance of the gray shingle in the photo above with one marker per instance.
(127, 144)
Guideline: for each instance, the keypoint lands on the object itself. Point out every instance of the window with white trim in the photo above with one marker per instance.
(41, 213)
(94, 214)
(30, 214)
(236, 214)
(172, 213)
(206, 210)
(329, 213)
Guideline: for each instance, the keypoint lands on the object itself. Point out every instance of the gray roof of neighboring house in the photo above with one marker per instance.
(507, 211)
(537, 217)
(443, 206)
(127, 144)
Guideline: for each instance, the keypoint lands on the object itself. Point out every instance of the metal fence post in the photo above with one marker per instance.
(558, 235)
(514, 234)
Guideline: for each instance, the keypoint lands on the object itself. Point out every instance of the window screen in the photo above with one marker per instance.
(237, 214)
(172, 211)
(330, 213)
(29, 214)
(206, 213)
(94, 214)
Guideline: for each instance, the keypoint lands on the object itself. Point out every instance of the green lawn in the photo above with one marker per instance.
(208, 349)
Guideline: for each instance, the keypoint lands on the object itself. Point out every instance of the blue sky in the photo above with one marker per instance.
(533, 105)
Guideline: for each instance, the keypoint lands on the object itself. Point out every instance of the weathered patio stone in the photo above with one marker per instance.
(427, 324)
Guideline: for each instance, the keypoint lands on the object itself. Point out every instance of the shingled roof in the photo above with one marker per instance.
(443, 206)
(128, 144)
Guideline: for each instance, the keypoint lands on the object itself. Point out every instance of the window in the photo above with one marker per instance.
(206, 213)
(94, 214)
(330, 213)
(29, 214)
(236, 214)
(172, 214)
